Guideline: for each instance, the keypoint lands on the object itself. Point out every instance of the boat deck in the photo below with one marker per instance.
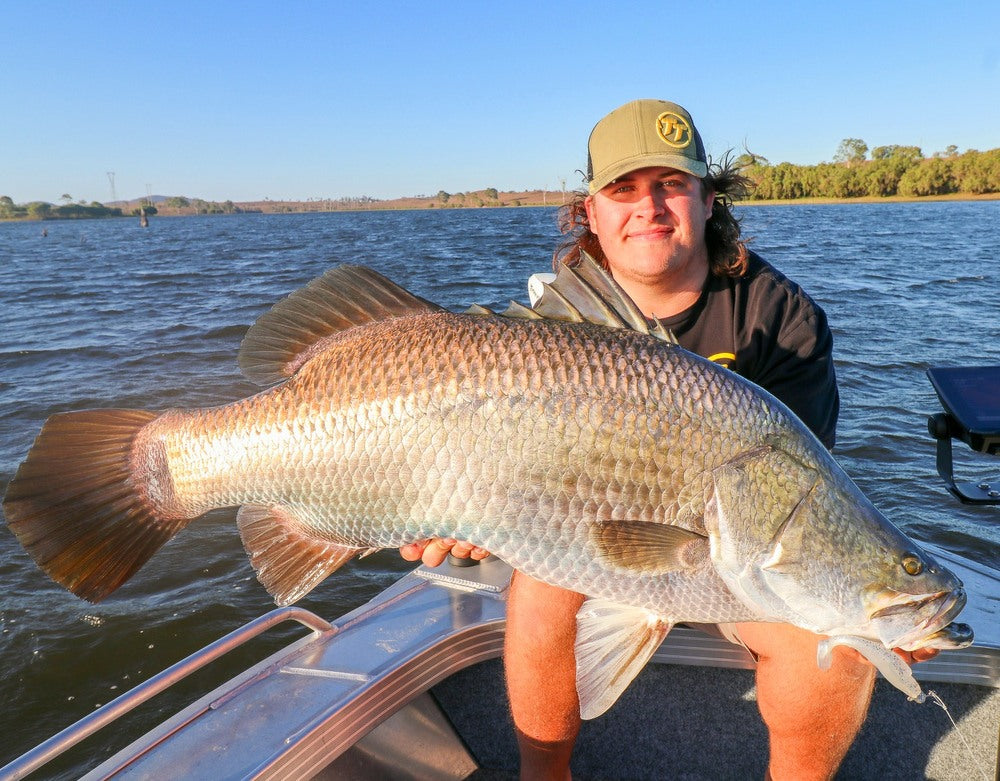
(410, 686)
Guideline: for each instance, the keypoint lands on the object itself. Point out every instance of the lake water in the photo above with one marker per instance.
(104, 313)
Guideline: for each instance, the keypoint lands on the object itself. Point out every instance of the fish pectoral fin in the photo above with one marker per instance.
(297, 327)
(647, 547)
(613, 643)
(289, 561)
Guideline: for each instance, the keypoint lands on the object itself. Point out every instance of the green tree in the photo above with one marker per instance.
(749, 159)
(39, 210)
(881, 176)
(851, 151)
(932, 177)
(894, 151)
(977, 172)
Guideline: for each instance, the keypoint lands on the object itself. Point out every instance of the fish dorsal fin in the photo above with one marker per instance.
(613, 643)
(586, 293)
(294, 329)
(289, 561)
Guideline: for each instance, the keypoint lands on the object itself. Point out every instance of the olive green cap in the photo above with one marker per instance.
(641, 134)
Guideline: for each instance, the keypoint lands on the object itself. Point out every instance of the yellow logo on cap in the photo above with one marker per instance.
(673, 129)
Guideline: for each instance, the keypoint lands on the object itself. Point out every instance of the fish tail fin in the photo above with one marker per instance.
(76, 505)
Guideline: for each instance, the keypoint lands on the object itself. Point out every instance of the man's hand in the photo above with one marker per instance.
(918, 655)
(435, 550)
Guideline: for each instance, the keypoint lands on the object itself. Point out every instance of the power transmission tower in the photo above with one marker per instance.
(111, 178)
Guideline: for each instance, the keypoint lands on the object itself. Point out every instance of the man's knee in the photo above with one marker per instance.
(792, 687)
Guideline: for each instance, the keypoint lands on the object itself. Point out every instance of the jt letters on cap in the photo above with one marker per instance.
(673, 129)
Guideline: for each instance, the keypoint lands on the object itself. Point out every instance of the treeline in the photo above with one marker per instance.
(180, 205)
(41, 210)
(890, 170)
(854, 173)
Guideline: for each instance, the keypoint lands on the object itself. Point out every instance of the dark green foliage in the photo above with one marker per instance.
(892, 170)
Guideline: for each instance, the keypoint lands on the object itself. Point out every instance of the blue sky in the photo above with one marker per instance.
(298, 100)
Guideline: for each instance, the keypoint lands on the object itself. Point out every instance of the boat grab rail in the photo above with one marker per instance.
(98, 719)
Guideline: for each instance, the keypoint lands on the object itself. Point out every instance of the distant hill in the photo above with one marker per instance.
(135, 203)
(488, 197)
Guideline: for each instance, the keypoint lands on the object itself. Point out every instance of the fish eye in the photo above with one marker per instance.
(913, 565)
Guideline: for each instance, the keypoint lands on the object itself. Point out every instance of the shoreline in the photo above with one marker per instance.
(507, 200)
(876, 199)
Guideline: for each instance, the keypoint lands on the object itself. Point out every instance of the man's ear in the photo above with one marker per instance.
(588, 204)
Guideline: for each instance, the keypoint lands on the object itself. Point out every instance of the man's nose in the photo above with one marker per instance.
(652, 202)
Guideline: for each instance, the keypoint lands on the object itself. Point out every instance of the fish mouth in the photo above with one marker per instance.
(950, 638)
(907, 620)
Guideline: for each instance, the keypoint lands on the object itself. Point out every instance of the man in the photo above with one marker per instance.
(659, 220)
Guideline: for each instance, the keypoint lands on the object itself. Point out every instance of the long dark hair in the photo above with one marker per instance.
(727, 253)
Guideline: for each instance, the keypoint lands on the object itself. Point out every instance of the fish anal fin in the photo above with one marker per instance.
(649, 548)
(289, 561)
(296, 328)
(613, 643)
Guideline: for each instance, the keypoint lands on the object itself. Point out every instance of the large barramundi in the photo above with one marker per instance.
(603, 460)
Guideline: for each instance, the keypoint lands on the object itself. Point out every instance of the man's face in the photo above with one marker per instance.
(651, 223)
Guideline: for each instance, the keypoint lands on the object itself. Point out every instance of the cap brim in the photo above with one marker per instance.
(681, 163)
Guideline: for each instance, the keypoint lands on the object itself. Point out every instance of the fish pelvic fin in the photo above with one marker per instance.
(295, 329)
(77, 506)
(289, 561)
(613, 643)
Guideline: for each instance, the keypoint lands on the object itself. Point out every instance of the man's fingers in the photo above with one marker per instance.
(437, 551)
(434, 551)
(414, 550)
(919, 655)
(923, 654)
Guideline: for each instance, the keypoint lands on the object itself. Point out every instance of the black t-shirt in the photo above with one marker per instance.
(766, 328)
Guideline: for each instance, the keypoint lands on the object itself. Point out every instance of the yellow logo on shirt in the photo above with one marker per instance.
(723, 359)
